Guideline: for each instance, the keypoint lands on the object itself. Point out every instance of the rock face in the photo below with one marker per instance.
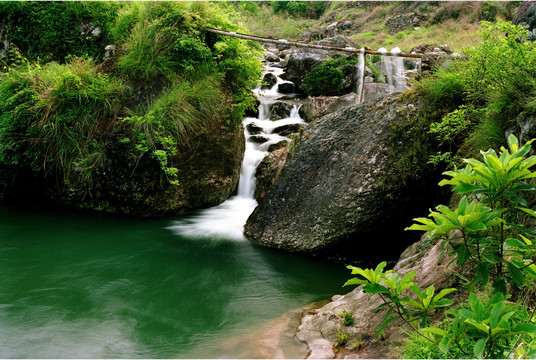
(318, 328)
(341, 189)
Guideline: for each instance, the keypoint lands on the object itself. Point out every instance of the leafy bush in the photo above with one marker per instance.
(51, 118)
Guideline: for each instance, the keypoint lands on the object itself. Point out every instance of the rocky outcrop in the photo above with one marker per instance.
(134, 184)
(319, 328)
(344, 187)
(401, 22)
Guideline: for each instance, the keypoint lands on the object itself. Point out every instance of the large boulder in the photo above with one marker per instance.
(303, 60)
(354, 181)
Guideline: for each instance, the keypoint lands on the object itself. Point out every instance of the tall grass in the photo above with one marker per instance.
(53, 116)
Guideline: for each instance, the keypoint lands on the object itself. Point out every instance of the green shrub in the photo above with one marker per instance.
(58, 28)
(51, 118)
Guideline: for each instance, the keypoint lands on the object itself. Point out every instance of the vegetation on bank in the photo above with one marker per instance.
(490, 226)
(65, 109)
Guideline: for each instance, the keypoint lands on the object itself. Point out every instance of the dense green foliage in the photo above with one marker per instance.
(167, 82)
(489, 89)
(54, 30)
(308, 9)
(328, 77)
(52, 117)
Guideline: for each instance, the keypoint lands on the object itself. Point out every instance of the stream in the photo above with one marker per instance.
(85, 285)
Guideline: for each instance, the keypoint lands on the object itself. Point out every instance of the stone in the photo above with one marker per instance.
(338, 188)
(445, 48)
(269, 169)
(254, 129)
(280, 110)
(286, 130)
(346, 25)
(526, 15)
(271, 57)
(268, 81)
(109, 51)
(258, 139)
(285, 88)
(314, 108)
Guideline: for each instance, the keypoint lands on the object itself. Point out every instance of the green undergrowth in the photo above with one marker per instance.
(487, 90)
(52, 118)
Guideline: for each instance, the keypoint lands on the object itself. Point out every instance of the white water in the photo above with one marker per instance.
(393, 69)
(227, 220)
(360, 77)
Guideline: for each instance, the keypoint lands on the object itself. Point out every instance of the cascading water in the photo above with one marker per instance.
(400, 79)
(360, 77)
(393, 69)
(227, 220)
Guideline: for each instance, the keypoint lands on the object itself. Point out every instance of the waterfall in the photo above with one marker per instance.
(360, 75)
(400, 79)
(393, 69)
(386, 67)
(227, 220)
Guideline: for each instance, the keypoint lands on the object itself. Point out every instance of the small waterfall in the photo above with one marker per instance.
(227, 220)
(386, 67)
(393, 69)
(400, 79)
(360, 75)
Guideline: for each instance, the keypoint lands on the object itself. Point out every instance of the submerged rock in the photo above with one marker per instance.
(342, 190)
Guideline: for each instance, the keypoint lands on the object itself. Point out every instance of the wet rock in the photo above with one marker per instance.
(280, 110)
(286, 130)
(254, 129)
(268, 170)
(285, 88)
(277, 146)
(314, 108)
(271, 57)
(268, 81)
(258, 139)
(339, 189)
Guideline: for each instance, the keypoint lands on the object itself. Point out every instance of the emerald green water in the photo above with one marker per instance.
(85, 286)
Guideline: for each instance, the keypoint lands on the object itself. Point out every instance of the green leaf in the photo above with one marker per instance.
(524, 328)
(444, 345)
(517, 275)
(375, 289)
(478, 348)
(495, 314)
(478, 325)
(434, 330)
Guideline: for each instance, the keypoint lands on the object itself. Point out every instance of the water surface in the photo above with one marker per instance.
(78, 285)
